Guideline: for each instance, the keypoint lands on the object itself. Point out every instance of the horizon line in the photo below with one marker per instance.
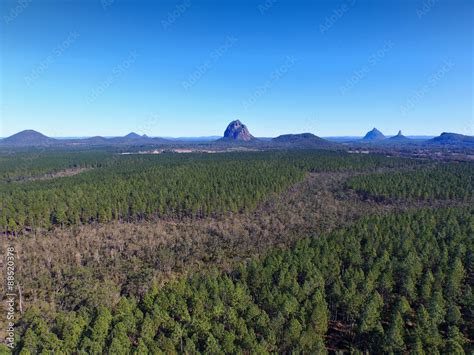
(219, 136)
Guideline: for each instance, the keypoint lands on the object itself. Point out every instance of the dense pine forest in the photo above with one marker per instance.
(246, 252)
(142, 187)
(397, 283)
(448, 181)
(37, 163)
(226, 177)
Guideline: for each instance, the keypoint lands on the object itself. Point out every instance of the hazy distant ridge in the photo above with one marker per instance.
(238, 133)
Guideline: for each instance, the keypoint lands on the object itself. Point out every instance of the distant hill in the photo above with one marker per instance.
(374, 135)
(131, 137)
(399, 138)
(136, 139)
(303, 140)
(28, 138)
(134, 135)
(452, 139)
(237, 131)
(94, 140)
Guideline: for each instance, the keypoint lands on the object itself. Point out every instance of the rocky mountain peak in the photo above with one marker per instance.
(374, 134)
(236, 130)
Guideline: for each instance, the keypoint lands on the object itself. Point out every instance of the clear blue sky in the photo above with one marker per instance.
(188, 67)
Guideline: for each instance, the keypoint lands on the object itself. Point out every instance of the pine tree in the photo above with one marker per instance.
(395, 334)
(455, 341)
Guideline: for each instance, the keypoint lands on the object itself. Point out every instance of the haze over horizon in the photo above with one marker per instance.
(212, 136)
(188, 68)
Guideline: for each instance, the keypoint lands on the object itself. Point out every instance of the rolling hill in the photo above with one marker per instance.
(303, 140)
(28, 138)
(453, 139)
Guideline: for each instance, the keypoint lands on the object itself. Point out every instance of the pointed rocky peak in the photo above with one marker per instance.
(236, 130)
(399, 137)
(374, 135)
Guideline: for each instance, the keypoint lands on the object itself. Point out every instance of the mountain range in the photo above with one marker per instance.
(237, 133)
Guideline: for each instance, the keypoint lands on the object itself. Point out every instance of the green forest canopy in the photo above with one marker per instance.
(396, 283)
(136, 187)
(444, 181)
